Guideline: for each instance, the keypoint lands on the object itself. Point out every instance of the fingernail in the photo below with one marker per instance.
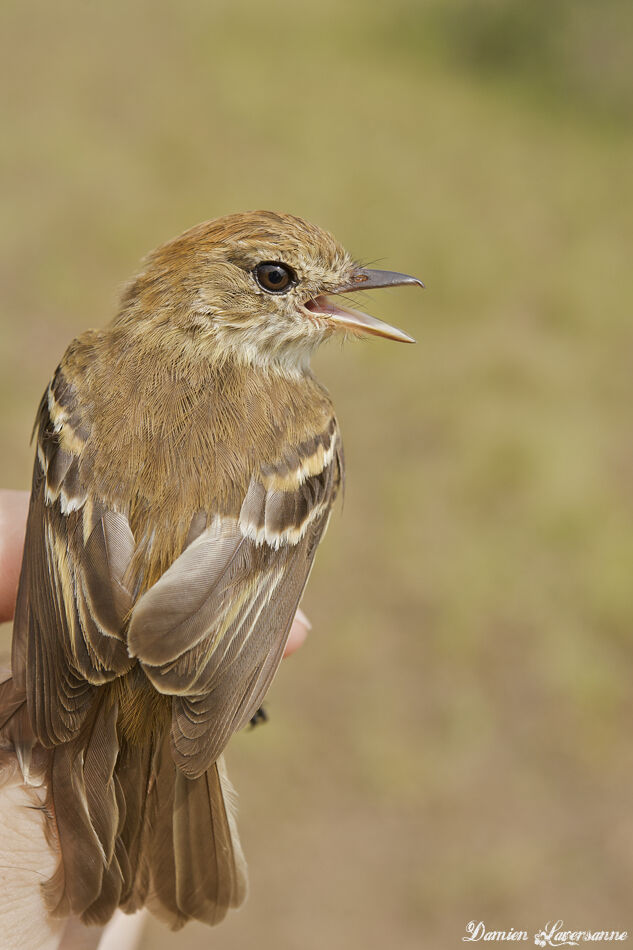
(303, 620)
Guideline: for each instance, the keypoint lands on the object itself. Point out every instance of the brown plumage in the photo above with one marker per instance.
(187, 462)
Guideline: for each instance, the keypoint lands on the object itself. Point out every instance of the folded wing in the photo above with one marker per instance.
(72, 600)
(211, 632)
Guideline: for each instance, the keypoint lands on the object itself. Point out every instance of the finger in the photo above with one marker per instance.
(14, 506)
(77, 936)
(124, 931)
(301, 626)
(27, 858)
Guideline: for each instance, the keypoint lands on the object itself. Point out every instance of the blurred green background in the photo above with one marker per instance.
(454, 741)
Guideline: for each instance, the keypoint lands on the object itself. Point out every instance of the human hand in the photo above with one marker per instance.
(27, 858)
(14, 506)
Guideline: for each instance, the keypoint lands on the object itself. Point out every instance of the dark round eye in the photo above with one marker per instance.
(274, 277)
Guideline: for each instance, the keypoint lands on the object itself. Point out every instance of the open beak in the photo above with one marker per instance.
(356, 321)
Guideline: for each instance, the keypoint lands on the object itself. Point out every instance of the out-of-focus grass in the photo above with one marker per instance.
(454, 742)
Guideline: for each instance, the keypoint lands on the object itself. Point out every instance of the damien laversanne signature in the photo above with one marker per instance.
(553, 934)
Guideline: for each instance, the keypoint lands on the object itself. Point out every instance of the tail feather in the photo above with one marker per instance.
(106, 807)
(210, 866)
(82, 799)
(77, 880)
(161, 898)
(99, 761)
(136, 778)
(101, 909)
(198, 870)
(131, 828)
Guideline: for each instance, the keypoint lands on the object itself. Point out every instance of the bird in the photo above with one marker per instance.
(186, 468)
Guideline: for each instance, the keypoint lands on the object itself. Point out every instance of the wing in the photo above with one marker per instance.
(72, 600)
(211, 632)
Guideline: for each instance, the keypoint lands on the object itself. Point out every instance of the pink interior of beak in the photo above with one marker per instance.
(325, 306)
(355, 320)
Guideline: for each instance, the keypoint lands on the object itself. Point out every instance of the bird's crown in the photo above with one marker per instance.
(253, 286)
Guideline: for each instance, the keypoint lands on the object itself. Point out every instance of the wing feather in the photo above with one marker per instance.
(211, 632)
(72, 598)
(175, 614)
(82, 797)
(104, 561)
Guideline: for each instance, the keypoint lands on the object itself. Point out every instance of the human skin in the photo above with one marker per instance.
(14, 506)
(26, 858)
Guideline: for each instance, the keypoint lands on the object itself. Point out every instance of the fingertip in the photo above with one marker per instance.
(14, 507)
(301, 626)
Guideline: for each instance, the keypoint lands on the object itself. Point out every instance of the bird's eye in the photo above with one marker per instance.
(274, 277)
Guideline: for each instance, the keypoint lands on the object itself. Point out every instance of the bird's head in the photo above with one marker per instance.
(256, 285)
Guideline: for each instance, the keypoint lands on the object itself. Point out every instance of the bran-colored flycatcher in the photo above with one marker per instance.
(187, 462)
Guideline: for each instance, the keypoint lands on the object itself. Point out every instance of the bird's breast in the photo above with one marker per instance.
(170, 443)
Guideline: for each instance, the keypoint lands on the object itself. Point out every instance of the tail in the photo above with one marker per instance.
(197, 871)
(133, 830)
